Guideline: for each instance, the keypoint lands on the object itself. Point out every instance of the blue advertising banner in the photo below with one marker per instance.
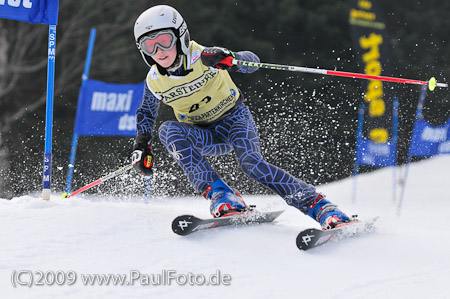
(427, 141)
(108, 109)
(31, 11)
(374, 154)
(370, 153)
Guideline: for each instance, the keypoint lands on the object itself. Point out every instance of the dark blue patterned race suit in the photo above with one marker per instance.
(189, 143)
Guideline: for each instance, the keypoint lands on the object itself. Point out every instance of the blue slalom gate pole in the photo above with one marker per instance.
(84, 77)
(395, 145)
(408, 160)
(47, 173)
(358, 143)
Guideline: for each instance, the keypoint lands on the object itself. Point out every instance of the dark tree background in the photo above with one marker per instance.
(307, 122)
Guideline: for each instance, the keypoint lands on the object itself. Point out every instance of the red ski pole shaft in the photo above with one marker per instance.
(88, 186)
(99, 181)
(431, 83)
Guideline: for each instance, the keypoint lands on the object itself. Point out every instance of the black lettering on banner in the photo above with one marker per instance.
(186, 89)
(369, 34)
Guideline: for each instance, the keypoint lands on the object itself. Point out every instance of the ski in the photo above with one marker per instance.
(312, 237)
(186, 224)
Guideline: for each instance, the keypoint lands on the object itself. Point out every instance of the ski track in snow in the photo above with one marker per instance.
(407, 257)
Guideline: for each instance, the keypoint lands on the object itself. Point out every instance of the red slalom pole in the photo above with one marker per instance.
(432, 84)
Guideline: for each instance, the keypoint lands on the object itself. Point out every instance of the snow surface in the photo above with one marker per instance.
(408, 256)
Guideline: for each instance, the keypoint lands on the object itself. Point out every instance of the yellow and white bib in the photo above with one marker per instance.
(201, 96)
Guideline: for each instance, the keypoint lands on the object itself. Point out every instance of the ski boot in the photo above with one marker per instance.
(328, 214)
(224, 200)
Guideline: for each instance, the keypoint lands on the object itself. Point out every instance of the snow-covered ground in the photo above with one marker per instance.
(408, 256)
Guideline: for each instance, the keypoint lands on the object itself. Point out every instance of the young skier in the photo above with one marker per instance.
(212, 118)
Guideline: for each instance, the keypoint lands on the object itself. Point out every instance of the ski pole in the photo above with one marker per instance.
(99, 181)
(432, 84)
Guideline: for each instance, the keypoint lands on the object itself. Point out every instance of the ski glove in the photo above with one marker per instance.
(216, 57)
(142, 157)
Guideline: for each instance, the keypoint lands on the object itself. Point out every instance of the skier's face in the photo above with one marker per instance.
(165, 58)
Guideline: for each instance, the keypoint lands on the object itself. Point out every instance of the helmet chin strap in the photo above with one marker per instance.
(176, 64)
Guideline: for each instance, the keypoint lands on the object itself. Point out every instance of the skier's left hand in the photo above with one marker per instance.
(142, 161)
(142, 157)
(216, 57)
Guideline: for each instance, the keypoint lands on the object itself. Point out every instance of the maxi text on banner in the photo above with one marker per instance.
(370, 40)
(31, 11)
(108, 109)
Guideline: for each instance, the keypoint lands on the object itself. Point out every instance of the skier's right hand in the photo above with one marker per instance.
(142, 157)
(217, 57)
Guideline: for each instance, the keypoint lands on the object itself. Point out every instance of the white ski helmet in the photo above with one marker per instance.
(162, 17)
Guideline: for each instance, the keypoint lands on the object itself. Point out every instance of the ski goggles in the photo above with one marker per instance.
(164, 39)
